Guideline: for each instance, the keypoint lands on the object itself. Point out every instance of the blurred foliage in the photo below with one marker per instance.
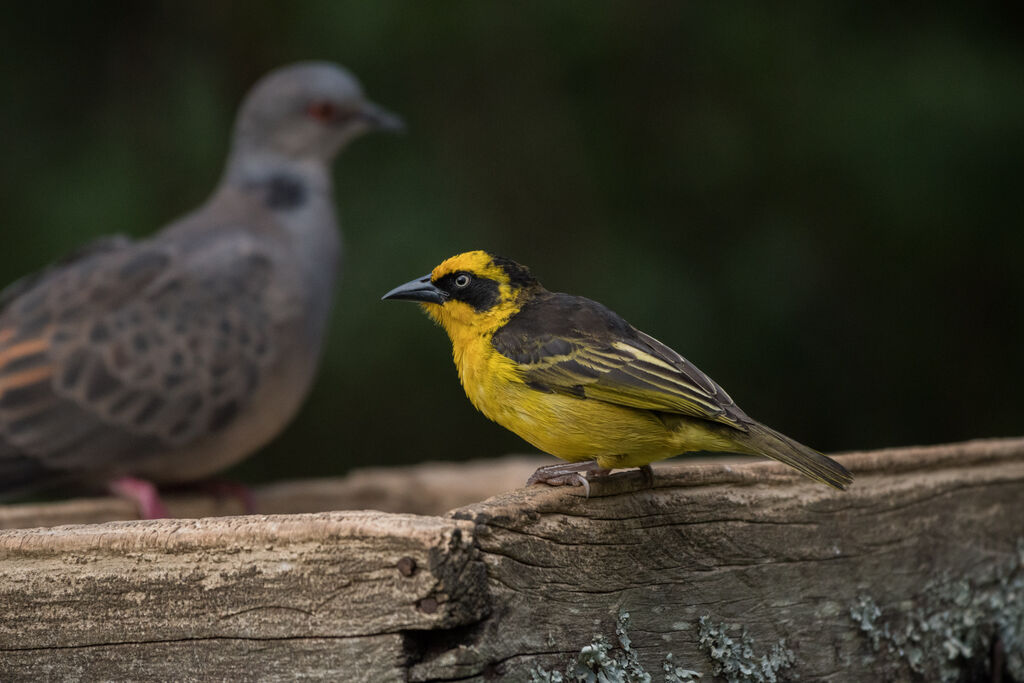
(819, 204)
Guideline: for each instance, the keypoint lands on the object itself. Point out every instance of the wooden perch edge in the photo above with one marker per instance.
(919, 567)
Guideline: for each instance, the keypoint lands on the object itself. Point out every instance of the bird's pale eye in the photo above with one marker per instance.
(462, 280)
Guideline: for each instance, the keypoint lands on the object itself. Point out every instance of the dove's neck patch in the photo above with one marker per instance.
(285, 192)
(281, 191)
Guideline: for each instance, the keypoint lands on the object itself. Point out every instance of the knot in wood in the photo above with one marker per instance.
(407, 566)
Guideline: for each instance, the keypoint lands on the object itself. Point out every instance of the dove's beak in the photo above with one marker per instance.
(380, 118)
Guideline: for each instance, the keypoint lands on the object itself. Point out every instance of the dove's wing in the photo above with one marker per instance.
(129, 348)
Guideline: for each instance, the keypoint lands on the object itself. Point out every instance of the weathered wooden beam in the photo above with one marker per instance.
(790, 562)
(327, 592)
(918, 569)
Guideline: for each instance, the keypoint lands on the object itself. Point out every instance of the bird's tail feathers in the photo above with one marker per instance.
(763, 440)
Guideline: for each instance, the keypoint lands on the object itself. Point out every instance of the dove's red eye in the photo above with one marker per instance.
(323, 111)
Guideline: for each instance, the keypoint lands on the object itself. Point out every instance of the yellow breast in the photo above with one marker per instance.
(568, 427)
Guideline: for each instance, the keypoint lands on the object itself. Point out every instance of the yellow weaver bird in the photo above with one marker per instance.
(577, 381)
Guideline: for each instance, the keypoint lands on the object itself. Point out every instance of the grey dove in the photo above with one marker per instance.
(171, 358)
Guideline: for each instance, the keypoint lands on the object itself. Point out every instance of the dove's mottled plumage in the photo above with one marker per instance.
(173, 357)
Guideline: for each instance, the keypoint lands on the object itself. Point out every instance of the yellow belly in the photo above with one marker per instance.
(576, 429)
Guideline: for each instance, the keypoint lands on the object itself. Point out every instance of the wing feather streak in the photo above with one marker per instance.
(575, 346)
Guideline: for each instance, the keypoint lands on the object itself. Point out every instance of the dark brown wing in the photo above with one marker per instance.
(572, 345)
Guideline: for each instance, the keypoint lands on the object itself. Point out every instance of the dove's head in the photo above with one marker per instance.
(307, 112)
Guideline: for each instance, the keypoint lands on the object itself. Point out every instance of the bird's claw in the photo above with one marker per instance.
(581, 480)
(568, 474)
(579, 474)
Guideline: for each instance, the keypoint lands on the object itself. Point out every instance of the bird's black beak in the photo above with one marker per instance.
(380, 118)
(420, 289)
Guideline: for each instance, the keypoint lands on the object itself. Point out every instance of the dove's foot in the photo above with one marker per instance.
(568, 474)
(141, 492)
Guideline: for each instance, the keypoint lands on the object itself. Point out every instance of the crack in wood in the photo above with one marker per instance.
(261, 608)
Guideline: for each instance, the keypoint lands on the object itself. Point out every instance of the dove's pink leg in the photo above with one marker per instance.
(143, 493)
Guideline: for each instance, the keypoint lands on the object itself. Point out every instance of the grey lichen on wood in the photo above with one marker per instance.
(741, 569)
(960, 619)
(737, 660)
(602, 662)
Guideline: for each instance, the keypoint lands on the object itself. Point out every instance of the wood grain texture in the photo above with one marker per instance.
(380, 658)
(753, 546)
(238, 590)
(516, 585)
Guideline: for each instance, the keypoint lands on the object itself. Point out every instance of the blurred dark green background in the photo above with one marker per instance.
(820, 205)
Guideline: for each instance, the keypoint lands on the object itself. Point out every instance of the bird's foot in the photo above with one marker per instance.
(141, 492)
(568, 474)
